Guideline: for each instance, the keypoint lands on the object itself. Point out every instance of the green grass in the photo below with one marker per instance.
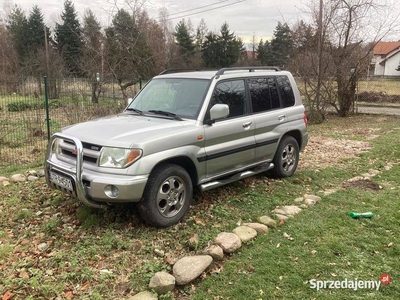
(111, 254)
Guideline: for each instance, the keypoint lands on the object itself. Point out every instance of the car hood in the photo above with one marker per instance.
(125, 130)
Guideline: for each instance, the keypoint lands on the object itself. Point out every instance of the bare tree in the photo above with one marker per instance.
(346, 32)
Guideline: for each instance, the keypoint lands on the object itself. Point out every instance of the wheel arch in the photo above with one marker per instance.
(184, 162)
(296, 134)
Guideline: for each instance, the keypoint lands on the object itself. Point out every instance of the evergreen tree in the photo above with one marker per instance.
(18, 29)
(69, 39)
(184, 40)
(222, 50)
(37, 28)
(92, 62)
(281, 45)
(230, 45)
(129, 55)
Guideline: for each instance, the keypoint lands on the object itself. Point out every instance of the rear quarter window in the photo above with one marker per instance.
(286, 91)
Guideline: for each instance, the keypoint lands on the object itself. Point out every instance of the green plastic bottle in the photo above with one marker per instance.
(355, 215)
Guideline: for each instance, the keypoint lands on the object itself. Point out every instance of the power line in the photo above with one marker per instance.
(205, 10)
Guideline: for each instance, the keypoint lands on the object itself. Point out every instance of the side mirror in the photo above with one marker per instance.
(128, 101)
(219, 111)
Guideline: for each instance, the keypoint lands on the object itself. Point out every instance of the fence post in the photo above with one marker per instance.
(140, 82)
(46, 100)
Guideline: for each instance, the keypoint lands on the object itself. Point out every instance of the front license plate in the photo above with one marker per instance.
(62, 181)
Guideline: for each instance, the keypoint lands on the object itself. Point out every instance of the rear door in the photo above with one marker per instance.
(269, 116)
(230, 143)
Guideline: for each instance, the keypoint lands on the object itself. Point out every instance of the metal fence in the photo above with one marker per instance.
(24, 125)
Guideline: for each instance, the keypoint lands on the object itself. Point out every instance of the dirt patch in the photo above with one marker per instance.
(322, 152)
(365, 184)
(378, 97)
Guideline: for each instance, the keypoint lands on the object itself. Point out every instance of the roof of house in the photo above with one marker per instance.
(384, 48)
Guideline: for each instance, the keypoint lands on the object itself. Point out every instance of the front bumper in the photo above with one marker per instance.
(91, 188)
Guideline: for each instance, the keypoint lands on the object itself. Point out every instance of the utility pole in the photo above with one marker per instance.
(46, 44)
(320, 48)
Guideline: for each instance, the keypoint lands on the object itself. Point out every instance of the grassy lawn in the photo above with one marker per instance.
(52, 246)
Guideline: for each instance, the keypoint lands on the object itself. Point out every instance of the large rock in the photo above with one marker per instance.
(18, 178)
(245, 233)
(214, 251)
(312, 197)
(162, 282)
(291, 210)
(143, 296)
(267, 221)
(260, 228)
(189, 268)
(229, 242)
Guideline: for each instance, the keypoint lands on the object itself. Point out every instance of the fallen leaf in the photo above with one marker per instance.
(69, 295)
(390, 244)
(8, 295)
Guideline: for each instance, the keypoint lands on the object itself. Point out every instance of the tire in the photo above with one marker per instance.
(167, 197)
(286, 158)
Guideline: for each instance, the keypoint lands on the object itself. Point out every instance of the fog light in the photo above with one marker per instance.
(111, 191)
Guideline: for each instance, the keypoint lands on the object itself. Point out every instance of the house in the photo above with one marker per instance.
(386, 58)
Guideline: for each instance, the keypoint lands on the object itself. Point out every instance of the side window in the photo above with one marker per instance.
(264, 94)
(286, 91)
(232, 93)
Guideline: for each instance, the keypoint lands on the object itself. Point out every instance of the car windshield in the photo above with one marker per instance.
(182, 97)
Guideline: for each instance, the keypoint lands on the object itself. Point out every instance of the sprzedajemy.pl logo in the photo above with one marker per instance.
(354, 284)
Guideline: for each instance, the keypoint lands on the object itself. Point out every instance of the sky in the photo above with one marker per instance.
(246, 18)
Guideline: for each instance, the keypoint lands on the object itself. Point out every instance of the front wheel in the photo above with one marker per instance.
(286, 158)
(167, 196)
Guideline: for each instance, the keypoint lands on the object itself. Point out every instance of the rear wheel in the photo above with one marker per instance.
(167, 196)
(286, 158)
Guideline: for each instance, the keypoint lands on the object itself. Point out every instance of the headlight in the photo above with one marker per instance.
(56, 147)
(118, 157)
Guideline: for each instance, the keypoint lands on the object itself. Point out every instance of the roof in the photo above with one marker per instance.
(384, 48)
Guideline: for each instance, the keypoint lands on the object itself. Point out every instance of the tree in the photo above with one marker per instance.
(222, 50)
(231, 46)
(68, 37)
(264, 53)
(185, 42)
(37, 30)
(8, 57)
(281, 45)
(342, 29)
(18, 28)
(129, 56)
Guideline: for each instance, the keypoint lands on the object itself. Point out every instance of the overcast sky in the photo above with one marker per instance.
(245, 17)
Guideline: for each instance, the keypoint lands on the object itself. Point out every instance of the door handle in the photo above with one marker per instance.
(281, 118)
(247, 124)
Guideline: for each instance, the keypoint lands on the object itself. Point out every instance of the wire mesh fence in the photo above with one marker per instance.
(24, 126)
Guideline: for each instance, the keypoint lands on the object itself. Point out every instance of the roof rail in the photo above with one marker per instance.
(250, 69)
(169, 71)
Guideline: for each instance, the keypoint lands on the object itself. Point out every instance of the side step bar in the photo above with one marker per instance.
(235, 177)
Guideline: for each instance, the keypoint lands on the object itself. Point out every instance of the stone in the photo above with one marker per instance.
(267, 221)
(32, 178)
(6, 183)
(312, 197)
(18, 178)
(309, 202)
(303, 205)
(299, 199)
(291, 210)
(229, 242)
(43, 246)
(214, 251)
(281, 217)
(2, 178)
(260, 228)
(162, 283)
(279, 211)
(41, 173)
(146, 295)
(245, 233)
(159, 252)
(189, 268)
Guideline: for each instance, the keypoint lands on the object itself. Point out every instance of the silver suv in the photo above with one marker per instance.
(183, 130)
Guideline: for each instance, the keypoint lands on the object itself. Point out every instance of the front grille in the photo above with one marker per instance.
(91, 152)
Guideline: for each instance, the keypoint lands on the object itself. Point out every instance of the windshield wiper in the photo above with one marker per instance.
(138, 111)
(165, 113)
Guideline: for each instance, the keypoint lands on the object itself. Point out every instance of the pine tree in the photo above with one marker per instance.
(69, 39)
(281, 45)
(230, 45)
(184, 40)
(37, 29)
(18, 29)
